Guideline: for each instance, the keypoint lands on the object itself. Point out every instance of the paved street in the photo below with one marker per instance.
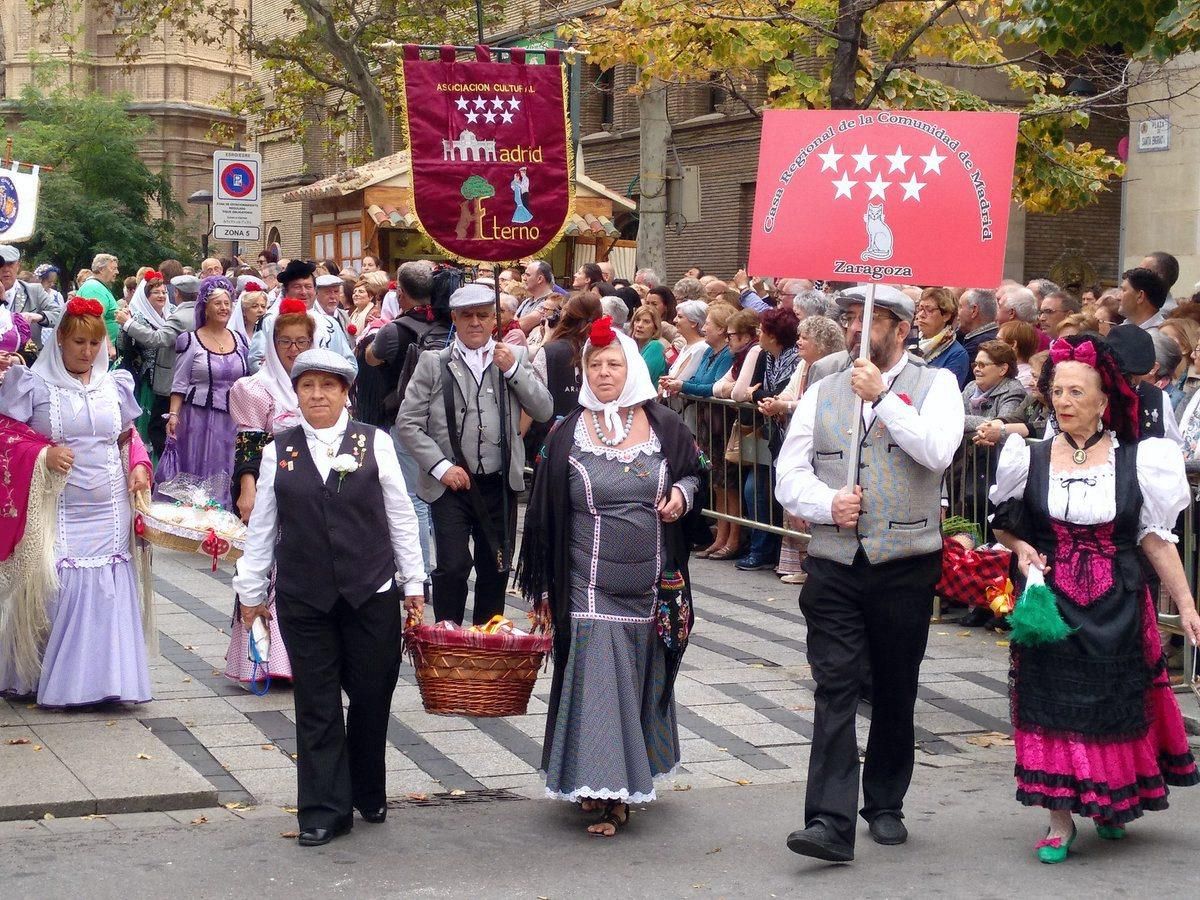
(173, 790)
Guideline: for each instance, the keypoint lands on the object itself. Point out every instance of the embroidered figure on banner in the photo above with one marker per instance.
(520, 189)
(879, 235)
(474, 190)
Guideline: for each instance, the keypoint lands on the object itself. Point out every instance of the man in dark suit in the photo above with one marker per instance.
(333, 514)
(28, 298)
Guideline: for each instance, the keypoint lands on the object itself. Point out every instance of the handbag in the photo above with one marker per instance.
(168, 463)
(673, 615)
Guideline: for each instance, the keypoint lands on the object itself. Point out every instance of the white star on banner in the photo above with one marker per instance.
(863, 160)
(843, 187)
(829, 160)
(878, 187)
(507, 117)
(912, 188)
(933, 162)
(480, 103)
(461, 103)
(489, 117)
(472, 117)
(898, 161)
(497, 103)
(514, 103)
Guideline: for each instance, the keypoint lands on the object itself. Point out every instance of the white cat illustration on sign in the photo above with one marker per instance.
(879, 235)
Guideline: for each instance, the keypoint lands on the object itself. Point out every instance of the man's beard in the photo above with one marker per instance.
(883, 351)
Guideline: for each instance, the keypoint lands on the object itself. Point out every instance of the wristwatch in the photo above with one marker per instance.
(879, 399)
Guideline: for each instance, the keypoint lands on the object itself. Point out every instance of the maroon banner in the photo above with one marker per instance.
(491, 166)
(886, 196)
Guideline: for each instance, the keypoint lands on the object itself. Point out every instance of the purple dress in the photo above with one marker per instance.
(205, 433)
(97, 649)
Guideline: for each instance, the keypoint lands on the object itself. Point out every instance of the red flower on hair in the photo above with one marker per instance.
(292, 307)
(82, 306)
(602, 333)
(253, 286)
(391, 285)
(352, 329)
(152, 276)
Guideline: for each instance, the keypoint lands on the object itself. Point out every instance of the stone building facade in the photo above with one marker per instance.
(175, 83)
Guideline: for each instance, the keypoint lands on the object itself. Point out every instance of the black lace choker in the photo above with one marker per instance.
(1080, 454)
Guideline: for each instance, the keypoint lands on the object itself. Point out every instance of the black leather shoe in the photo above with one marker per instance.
(374, 816)
(888, 828)
(318, 837)
(817, 842)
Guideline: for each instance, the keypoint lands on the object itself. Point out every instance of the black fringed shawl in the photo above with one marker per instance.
(544, 567)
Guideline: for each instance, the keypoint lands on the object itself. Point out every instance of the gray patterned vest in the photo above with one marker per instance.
(901, 505)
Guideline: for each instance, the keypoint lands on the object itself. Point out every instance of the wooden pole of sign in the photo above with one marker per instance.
(7, 162)
(864, 352)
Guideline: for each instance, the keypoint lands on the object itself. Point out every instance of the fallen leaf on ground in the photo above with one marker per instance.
(110, 723)
(92, 816)
(419, 798)
(37, 748)
(295, 756)
(743, 781)
(682, 787)
(963, 634)
(144, 756)
(15, 742)
(48, 816)
(458, 792)
(236, 804)
(189, 647)
(290, 810)
(1001, 643)
(723, 749)
(712, 851)
(289, 834)
(944, 633)
(267, 747)
(200, 820)
(991, 739)
(187, 680)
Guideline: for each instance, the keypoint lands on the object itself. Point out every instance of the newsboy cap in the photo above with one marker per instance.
(321, 359)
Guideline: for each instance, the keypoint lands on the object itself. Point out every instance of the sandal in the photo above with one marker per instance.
(616, 815)
(726, 552)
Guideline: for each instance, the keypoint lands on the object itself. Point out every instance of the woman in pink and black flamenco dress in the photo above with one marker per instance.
(1098, 731)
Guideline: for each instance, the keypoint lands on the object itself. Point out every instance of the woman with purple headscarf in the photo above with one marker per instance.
(210, 359)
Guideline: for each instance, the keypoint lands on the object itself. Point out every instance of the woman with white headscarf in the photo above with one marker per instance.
(604, 557)
(263, 406)
(74, 614)
(150, 306)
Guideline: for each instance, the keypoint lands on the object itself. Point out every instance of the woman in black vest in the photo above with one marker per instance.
(323, 487)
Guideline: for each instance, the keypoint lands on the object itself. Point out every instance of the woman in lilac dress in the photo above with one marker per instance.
(84, 641)
(14, 335)
(210, 360)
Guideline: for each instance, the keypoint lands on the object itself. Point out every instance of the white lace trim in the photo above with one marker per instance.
(1164, 533)
(587, 793)
(583, 440)
(93, 562)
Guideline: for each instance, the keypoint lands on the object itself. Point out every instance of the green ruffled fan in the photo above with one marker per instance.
(1036, 620)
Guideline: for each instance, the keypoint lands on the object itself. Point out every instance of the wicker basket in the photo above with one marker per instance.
(178, 537)
(464, 673)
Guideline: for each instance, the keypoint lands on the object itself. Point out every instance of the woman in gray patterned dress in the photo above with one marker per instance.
(603, 535)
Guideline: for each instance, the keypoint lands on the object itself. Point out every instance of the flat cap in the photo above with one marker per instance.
(893, 300)
(474, 294)
(9, 254)
(189, 284)
(327, 280)
(321, 359)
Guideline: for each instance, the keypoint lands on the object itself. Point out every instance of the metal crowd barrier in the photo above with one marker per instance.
(965, 486)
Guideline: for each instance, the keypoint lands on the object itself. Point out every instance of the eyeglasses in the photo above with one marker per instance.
(979, 364)
(289, 344)
(846, 319)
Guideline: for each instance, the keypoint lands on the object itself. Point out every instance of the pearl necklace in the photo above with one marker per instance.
(612, 442)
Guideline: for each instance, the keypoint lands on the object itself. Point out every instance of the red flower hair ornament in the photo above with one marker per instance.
(352, 329)
(292, 307)
(82, 306)
(152, 276)
(253, 286)
(602, 333)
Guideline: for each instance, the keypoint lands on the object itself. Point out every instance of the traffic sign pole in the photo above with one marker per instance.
(237, 200)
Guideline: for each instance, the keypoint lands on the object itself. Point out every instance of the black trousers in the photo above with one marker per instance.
(340, 763)
(455, 526)
(157, 429)
(880, 614)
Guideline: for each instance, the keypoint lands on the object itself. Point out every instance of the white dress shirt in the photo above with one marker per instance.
(477, 362)
(254, 568)
(930, 436)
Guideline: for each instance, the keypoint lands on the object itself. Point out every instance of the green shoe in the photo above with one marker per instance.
(1110, 832)
(1055, 849)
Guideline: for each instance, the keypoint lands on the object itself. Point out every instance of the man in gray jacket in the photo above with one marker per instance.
(181, 320)
(469, 474)
(25, 297)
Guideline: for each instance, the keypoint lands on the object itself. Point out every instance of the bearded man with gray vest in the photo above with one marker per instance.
(332, 513)
(873, 561)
